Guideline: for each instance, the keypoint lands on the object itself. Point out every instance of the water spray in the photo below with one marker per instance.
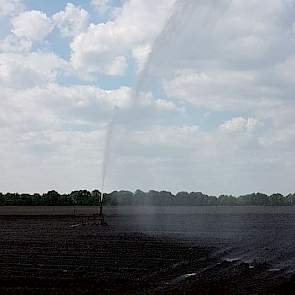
(134, 95)
(105, 164)
(175, 23)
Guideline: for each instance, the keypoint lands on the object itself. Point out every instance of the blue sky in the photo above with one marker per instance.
(213, 110)
(61, 45)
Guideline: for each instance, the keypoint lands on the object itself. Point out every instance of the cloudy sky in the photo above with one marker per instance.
(214, 109)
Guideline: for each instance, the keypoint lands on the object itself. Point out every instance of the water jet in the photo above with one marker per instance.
(100, 218)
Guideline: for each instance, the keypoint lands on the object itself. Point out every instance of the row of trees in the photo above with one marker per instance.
(51, 198)
(151, 198)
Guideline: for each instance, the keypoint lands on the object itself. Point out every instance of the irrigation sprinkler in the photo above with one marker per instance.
(100, 218)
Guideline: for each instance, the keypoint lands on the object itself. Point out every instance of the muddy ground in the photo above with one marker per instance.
(59, 255)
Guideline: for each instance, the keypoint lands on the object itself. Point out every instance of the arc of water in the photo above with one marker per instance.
(106, 156)
(176, 20)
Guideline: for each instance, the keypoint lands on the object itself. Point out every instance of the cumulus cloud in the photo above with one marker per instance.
(169, 136)
(239, 124)
(29, 70)
(140, 54)
(50, 106)
(232, 60)
(217, 89)
(72, 20)
(185, 155)
(10, 7)
(101, 5)
(31, 156)
(33, 24)
(239, 59)
(104, 47)
(12, 43)
(49, 125)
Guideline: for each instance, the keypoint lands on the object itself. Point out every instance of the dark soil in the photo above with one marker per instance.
(59, 255)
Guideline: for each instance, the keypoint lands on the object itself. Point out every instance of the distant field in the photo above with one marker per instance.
(145, 210)
(262, 233)
(145, 251)
(47, 210)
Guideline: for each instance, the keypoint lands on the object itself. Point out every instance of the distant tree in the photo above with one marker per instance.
(51, 198)
(212, 201)
(152, 197)
(290, 199)
(66, 200)
(181, 198)
(12, 199)
(112, 199)
(164, 198)
(248, 199)
(254, 199)
(225, 200)
(2, 199)
(82, 198)
(123, 197)
(37, 200)
(139, 197)
(260, 199)
(278, 200)
(198, 198)
(96, 197)
(26, 200)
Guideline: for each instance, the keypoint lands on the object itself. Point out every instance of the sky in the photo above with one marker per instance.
(201, 95)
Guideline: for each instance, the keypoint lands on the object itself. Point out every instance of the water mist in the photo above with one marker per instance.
(181, 14)
(137, 89)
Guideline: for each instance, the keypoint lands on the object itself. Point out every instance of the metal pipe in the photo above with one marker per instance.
(101, 205)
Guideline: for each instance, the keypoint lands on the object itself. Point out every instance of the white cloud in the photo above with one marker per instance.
(101, 5)
(216, 89)
(29, 70)
(12, 43)
(47, 126)
(50, 105)
(232, 60)
(34, 25)
(239, 124)
(72, 20)
(169, 136)
(107, 45)
(95, 54)
(238, 60)
(116, 66)
(140, 54)
(30, 156)
(10, 7)
(181, 154)
(147, 100)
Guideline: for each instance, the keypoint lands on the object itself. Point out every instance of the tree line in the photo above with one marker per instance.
(140, 198)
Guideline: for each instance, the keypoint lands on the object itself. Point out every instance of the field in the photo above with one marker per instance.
(46, 210)
(58, 255)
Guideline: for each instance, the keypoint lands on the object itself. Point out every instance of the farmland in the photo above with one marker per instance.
(47, 255)
(47, 252)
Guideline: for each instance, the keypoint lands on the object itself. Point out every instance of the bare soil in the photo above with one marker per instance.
(59, 255)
